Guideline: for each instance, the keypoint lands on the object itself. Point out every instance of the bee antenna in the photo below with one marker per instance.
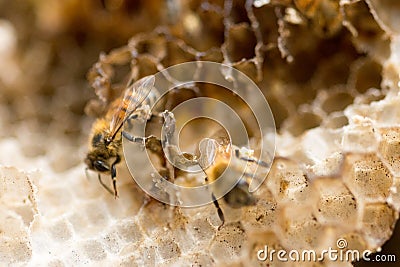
(104, 185)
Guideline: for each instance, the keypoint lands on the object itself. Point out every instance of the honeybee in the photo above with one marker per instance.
(240, 158)
(217, 154)
(105, 140)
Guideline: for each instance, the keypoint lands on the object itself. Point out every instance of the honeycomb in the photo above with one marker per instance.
(329, 70)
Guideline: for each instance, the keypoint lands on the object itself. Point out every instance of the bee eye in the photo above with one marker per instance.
(101, 166)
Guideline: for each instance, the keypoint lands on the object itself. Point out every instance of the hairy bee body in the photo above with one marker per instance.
(99, 149)
(239, 196)
(105, 139)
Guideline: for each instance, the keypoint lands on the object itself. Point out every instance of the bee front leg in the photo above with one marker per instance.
(251, 159)
(130, 119)
(132, 138)
(219, 210)
(114, 175)
(216, 204)
(104, 185)
(142, 114)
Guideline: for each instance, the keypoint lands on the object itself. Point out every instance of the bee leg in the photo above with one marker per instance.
(141, 114)
(132, 138)
(130, 119)
(114, 175)
(104, 185)
(253, 160)
(219, 210)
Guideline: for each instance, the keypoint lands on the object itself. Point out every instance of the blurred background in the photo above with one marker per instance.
(47, 48)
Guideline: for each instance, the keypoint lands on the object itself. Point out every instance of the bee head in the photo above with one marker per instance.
(96, 163)
(240, 196)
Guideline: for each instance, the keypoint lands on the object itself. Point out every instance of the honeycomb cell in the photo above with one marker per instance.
(319, 144)
(378, 222)
(112, 242)
(386, 113)
(298, 124)
(208, 19)
(147, 255)
(176, 54)
(287, 182)
(366, 74)
(19, 190)
(300, 229)
(228, 243)
(128, 262)
(213, 54)
(389, 148)
(268, 28)
(279, 109)
(61, 231)
(15, 250)
(18, 206)
(154, 46)
(258, 246)
(325, 15)
(129, 231)
(360, 21)
(386, 11)
(240, 43)
(336, 102)
(394, 198)
(56, 263)
(367, 177)
(156, 214)
(94, 250)
(359, 137)
(145, 65)
(201, 230)
(260, 216)
(336, 121)
(372, 95)
(248, 68)
(168, 248)
(335, 71)
(354, 241)
(97, 214)
(17, 196)
(335, 203)
(330, 167)
(185, 243)
(237, 13)
(200, 259)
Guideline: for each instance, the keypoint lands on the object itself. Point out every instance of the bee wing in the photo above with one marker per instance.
(134, 96)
